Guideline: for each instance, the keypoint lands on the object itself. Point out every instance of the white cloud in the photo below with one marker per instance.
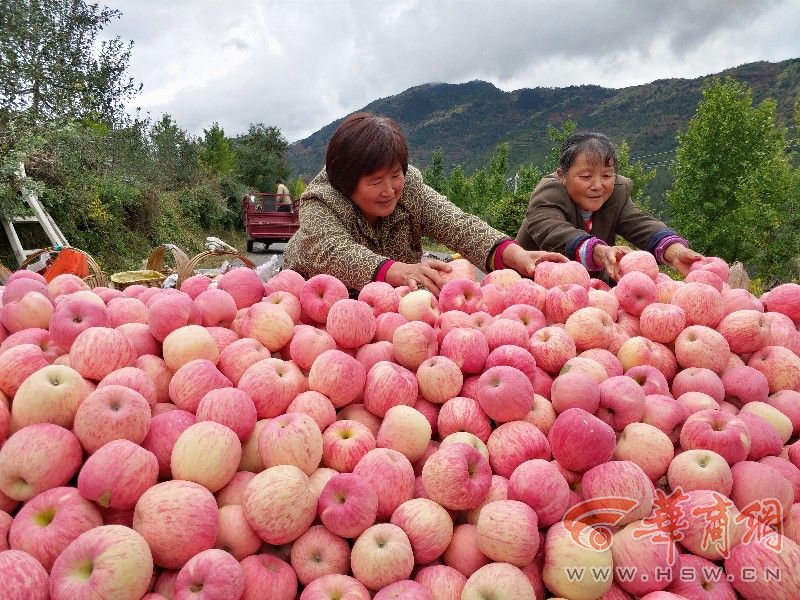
(300, 64)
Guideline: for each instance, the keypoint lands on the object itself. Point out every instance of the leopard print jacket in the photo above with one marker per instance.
(335, 238)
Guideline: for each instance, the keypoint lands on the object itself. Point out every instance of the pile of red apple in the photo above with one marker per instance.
(511, 439)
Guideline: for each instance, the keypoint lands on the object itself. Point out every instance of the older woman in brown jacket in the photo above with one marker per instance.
(581, 208)
(363, 217)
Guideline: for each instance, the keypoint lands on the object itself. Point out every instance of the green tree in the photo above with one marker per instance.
(175, 155)
(498, 172)
(636, 172)
(459, 188)
(260, 157)
(434, 175)
(558, 135)
(216, 153)
(732, 179)
(54, 66)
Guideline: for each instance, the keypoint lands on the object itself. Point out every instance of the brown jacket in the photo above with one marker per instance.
(335, 238)
(553, 222)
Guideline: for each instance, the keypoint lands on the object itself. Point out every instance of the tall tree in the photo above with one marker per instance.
(260, 157)
(54, 66)
(434, 175)
(175, 154)
(216, 153)
(731, 196)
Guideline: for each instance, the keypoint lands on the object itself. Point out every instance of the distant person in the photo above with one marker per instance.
(283, 197)
(363, 217)
(580, 209)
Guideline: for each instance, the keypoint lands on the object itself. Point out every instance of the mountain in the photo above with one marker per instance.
(468, 120)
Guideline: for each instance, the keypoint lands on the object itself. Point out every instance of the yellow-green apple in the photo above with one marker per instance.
(235, 535)
(577, 561)
(279, 504)
(369, 354)
(333, 587)
(648, 447)
(317, 553)
(563, 300)
(622, 402)
(634, 291)
(663, 412)
(111, 413)
(662, 322)
(463, 414)
(381, 556)
(167, 313)
(214, 573)
(291, 439)
(272, 384)
(389, 384)
(158, 370)
(267, 576)
(439, 379)
(641, 564)
(231, 407)
(610, 481)
(579, 440)
(344, 443)
(238, 356)
(391, 476)
(507, 531)
(36, 458)
(505, 393)
(243, 285)
(405, 430)
(552, 347)
(413, 343)
(779, 365)
(207, 453)
(443, 582)
(348, 505)
(498, 580)
(550, 274)
(338, 376)
(758, 570)
(307, 343)
(351, 323)
(719, 431)
(31, 310)
(755, 483)
(134, 378)
(120, 311)
(700, 470)
(699, 578)
(466, 347)
(319, 293)
(641, 261)
(745, 330)
(701, 346)
(74, 315)
(380, 296)
(386, 324)
(540, 485)
(461, 294)
(17, 363)
(269, 324)
(117, 474)
(788, 402)
(513, 443)
(51, 394)
(50, 521)
(110, 561)
(457, 476)
(764, 438)
(428, 526)
(701, 302)
(23, 576)
(163, 433)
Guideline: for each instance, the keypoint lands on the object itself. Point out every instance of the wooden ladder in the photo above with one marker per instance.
(40, 215)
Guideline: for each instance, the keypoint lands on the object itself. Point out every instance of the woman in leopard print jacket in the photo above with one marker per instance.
(363, 217)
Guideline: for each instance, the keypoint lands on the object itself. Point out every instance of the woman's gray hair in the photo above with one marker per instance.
(597, 146)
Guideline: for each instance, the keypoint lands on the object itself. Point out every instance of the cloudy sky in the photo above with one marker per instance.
(300, 64)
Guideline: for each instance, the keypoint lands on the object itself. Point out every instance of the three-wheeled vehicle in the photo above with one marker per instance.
(264, 223)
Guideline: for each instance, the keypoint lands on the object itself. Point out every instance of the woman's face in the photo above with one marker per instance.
(589, 182)
(377, 193)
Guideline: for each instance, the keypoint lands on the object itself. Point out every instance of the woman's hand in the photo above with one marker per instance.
(524, 261)
(426, 275)
(681, 257)
(608, 257)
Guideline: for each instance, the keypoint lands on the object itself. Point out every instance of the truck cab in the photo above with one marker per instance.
(264, 223)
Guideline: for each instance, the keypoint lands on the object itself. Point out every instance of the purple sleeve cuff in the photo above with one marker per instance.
(380, 274)
(585, 253)
(666, 243)
(498, 254)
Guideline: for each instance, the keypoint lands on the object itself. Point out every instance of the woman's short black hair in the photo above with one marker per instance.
(362, 144)
(598, 147)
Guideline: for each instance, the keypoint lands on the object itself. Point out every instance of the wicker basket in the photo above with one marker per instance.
(147, 278)
(4, 274)
(156, 260)
(194, 263)
(96, 276)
